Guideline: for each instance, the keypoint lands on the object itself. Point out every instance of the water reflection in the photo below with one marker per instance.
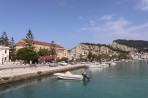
(85, 82)
(94, 69)
(4, 88)
(128, 80)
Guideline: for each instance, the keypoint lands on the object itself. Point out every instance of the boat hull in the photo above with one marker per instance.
(93, 66)
(68, 76)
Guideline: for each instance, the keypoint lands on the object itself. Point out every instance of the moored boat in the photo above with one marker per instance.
(93, 65)
(70, 76)
(112, 63)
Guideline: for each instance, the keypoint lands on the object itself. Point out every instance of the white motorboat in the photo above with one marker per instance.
(68, 76)
(93, 65)
(104, 64)
(112, 63)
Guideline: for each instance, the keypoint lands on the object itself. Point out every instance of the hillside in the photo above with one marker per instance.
(83, 50)
(140, 45)
(107, 46)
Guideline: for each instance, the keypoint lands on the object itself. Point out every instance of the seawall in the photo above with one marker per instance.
(36, 73)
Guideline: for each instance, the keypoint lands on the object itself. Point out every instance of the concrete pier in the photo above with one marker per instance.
(9, 75)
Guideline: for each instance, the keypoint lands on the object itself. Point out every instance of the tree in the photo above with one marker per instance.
(94, 57)
(1, 41)
(52, 49)
(26, 54)
(43, 52)
(114, 56)
(29, 38)
(4, 39)
(89, 56)
(123, 56)
(12, 49)
(62, 59)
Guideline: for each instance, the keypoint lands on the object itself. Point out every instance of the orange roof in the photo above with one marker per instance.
(23, 41)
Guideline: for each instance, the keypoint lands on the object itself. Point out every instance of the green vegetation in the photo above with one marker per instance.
(4, 39)
(95, 57)
(12, 49)
(122, 56)
(43, 52)
(26, 54)
(89, 56)
(29, 38)
(52, 49)
(62, 59)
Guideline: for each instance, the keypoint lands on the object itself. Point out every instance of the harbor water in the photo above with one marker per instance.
(123, 80)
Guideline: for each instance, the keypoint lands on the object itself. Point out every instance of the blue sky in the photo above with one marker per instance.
(69, 22)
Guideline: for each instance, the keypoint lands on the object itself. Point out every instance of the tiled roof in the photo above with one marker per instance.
(20, 44)
(23, 41)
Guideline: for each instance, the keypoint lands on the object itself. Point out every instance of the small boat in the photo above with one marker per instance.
(70, 76)
(93, 65)
(112, 63)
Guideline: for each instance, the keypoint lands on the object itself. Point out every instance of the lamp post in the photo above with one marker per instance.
(2, 59)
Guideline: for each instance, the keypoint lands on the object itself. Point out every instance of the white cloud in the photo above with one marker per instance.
(92, 22)
(143, 5)
(106, 17)
(119, 28)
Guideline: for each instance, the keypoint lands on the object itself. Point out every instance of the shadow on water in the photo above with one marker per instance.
(19, 84)
(85, 82)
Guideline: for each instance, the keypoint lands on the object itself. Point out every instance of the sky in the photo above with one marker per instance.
(70, 22)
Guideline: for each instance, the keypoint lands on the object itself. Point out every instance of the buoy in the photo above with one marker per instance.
(110, 77)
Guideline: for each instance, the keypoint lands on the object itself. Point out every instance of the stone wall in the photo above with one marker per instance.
(10, 79)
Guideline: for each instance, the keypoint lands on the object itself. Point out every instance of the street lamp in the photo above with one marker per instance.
(2, 59)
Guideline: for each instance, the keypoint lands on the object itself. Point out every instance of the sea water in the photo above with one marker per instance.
(124, 80)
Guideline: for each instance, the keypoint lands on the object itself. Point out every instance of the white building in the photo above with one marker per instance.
(4, 54)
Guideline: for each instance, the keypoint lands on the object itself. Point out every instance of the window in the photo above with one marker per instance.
(5, 51)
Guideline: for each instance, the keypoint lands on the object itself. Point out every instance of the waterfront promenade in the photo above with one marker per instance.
(11, 73)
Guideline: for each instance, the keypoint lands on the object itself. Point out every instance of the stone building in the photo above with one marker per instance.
(61, 52)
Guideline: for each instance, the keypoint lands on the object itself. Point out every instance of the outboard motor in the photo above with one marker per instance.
(85, 76)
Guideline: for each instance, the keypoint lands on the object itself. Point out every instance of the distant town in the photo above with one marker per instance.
(28, 50)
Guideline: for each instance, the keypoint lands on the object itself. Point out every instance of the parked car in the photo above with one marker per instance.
(63, 63)
(52, 64)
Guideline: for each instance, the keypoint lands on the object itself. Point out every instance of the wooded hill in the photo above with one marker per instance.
(141, 45)
(110, 47)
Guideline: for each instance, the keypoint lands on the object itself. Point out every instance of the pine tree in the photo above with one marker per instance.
(29, 38)
(12, 43)
(53, 49)
(12, 49)
(4, 39)
(1, 41)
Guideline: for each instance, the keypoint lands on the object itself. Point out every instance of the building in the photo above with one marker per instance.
(61, 52)
(4, 54)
